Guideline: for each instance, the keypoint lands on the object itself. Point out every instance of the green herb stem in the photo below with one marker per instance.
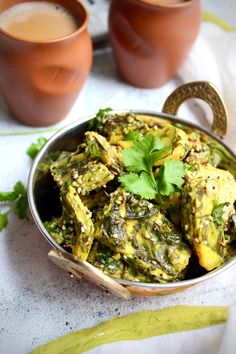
(30, 132)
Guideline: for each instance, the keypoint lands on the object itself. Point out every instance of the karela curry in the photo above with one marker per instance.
(145, 200)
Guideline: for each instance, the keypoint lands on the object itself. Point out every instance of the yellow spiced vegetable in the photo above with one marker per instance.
(145, 200)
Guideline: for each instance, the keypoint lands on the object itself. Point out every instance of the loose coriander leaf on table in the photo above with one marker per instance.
(3, 220)
(14, 194)
(19, 189)
(16, 201)
(7, 196)
(36, 147)
(21, 203)
(170, 177)
(21, 207)
(141, 185)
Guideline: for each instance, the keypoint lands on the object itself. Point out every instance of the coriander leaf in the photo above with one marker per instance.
(22, 207)
(163, 186)
(140, 158)
(17, 200)
(218, 212)
(21, 204)
(102, 116)
(136, 158)
(3, 220)
(7, 196)
(149, 144)
(103, 112)
(133, 136)
(19, 189)
(170, 176)
(35, 147)
(157, 155)
(13, 195)
(140, 185)
(174, 172)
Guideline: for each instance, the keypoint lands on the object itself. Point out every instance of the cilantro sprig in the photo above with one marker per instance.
(14, 201)
(35, 147)
(139, 184)
(132, 135)
(170, 177)
(139, 161)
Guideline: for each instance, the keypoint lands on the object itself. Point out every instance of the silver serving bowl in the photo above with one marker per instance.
(44, 199)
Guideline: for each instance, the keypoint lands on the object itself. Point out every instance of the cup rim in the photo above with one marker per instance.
(185, 3)
(80, 29)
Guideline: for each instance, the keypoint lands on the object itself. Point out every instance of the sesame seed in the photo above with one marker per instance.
(130, 119)
(75, 175)
(83, 228)
(87, 242)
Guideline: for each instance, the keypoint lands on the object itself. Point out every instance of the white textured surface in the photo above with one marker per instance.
(38, 301)
(201, 341)
(229, 339)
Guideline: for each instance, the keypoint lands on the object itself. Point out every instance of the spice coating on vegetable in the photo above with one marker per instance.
(144, 200)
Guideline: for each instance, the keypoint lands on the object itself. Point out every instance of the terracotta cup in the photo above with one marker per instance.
(40, 81)
(151, 39)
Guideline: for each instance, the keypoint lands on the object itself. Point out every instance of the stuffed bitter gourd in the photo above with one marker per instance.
(128, 236)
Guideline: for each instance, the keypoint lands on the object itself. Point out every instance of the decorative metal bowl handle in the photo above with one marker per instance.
(208, 93)
(81, 269)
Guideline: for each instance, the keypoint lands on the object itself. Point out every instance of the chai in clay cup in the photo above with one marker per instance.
(150, 39)
(40, 81)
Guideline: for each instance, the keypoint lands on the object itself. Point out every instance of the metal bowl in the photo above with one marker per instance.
(44, 200)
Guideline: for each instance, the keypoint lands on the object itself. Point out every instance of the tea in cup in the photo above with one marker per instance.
(38, 21)
(151, 38)
(45, 57)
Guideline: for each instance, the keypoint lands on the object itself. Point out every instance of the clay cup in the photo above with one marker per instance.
(40, 81)
(150, 40)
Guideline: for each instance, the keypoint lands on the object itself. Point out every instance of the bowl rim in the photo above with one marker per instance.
(76, 124)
